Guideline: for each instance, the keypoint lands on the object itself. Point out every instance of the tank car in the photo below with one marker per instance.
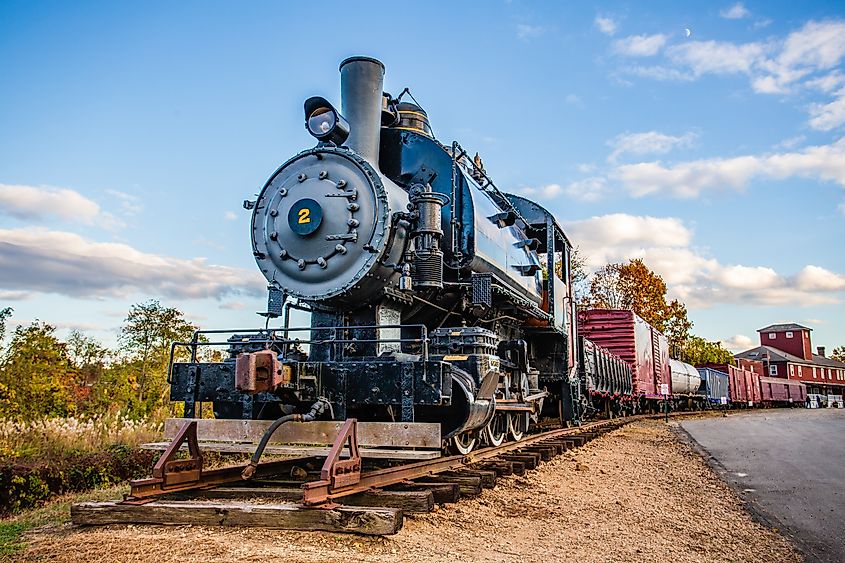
(433, 296)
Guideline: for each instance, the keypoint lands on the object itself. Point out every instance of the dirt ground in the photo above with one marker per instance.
(635, 494)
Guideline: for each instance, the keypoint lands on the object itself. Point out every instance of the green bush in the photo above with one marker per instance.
(28, 484)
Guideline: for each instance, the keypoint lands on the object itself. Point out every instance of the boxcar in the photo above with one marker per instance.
(777, 391)
(642, 346)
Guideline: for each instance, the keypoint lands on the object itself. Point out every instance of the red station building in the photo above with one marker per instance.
(786, 351)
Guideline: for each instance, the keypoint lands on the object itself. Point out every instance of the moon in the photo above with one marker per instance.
(687, 31)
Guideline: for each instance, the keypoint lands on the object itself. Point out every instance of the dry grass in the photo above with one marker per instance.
(58, 436)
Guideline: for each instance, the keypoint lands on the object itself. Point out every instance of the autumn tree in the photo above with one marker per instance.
(634, 286)
(88, 356)
(838, 354)
(36, 375)
(146, 336)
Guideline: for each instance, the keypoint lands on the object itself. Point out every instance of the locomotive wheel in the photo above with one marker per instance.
(497, 430)
(464, 443)
(518, 424)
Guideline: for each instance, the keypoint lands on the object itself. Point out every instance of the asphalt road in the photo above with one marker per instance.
(789, 465)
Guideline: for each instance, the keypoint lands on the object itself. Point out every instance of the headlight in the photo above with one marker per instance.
(324, 122)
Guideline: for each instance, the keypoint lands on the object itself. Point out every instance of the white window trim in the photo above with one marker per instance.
(772, 336)
(789, 334)
(773, 370)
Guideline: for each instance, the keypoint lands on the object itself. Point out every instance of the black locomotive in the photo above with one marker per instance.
(434, 296)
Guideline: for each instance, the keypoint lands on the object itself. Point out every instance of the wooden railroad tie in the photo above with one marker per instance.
(470, 485)
(443, 492)
(527, 459)
(408, 501)
(359, 520)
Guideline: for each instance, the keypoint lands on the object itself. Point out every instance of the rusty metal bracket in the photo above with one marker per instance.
(336, 474)
(177, 471)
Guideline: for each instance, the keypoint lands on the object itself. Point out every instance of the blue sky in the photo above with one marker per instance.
(131, 133)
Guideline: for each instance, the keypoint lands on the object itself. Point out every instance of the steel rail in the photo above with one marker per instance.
(323, 491)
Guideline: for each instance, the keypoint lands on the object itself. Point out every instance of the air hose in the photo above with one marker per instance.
(317, 409)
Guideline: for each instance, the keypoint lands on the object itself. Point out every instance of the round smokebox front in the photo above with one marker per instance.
(319, 224)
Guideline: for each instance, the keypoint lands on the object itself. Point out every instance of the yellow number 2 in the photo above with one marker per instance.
(304, 215)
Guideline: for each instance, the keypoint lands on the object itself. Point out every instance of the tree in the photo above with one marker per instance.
(578, 277)
(838, 354)
(88, 356)
(607, 290)
(634, 286)
(645, 292)
(697, 351)
(146, 335)
(36, 376)
(5, 313)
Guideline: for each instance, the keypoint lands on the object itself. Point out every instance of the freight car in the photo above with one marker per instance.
(714, 386)
(606, 380)
(780, 392)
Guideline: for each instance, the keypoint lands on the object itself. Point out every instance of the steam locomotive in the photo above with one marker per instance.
(433, 295)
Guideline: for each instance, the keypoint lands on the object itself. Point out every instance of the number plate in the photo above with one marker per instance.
(305, 216)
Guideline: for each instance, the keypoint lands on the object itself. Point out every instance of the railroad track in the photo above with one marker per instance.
(342, 496)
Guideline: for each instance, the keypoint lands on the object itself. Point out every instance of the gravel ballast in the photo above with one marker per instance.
(635, 494)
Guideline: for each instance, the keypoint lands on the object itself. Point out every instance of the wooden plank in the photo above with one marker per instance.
(359, 520)
(562, 444)
(376, 434)
(297, 451)
(502, 468)
(443, 492)
(545, 453)
(469, 484)
(528, 460)
(487, 477)
(518, 467)
(408, 501)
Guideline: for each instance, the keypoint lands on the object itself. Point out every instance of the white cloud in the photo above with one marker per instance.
(717, 57)
(690, 179)
(806, 59)
(14, 295)
(68, 264)
(588, 190)
(640, 45)
(130, 204)
(230, 216)
(666, 245)
(791, 142)
(233, 305)
(527, 32)
(816, 278)
(650, 142)
(739, 343)
(606, 25)
(735, 12)
(40, 203)
(825, 117)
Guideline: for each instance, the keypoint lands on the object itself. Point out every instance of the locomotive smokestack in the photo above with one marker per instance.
(361, 84)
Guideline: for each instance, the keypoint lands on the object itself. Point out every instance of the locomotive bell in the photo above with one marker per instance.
(321, 226)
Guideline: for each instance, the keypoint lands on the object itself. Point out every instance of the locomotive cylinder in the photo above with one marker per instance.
(361, 83)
